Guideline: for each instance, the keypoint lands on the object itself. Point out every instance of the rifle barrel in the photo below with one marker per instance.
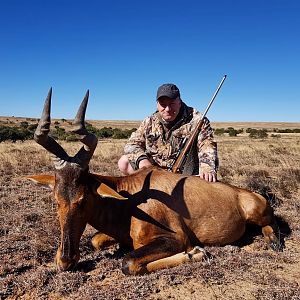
(183, 153)
(214, 96)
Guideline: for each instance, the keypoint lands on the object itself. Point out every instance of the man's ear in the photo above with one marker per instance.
(45, 180)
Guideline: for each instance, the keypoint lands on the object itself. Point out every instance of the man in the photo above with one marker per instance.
(159, 136)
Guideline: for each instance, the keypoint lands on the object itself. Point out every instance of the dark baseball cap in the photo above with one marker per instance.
(169, 90)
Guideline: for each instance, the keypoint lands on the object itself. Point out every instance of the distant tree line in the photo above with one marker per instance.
(254, 133)
(25, 131)
(295, 130)
(230, 130)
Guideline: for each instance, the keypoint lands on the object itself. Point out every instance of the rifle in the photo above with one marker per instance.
(186, 144)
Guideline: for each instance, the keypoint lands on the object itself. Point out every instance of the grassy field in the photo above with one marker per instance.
(29, 231)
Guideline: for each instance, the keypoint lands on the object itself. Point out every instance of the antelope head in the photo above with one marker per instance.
(69, 183)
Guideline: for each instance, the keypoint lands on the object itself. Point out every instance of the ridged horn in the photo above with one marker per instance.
(80, 116)
(89, 140)
(41, 135)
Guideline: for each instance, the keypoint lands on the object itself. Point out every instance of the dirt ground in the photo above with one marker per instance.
(29, 233)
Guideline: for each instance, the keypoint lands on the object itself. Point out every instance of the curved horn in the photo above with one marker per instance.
(80, 116)
(89, 140)
(41, 135)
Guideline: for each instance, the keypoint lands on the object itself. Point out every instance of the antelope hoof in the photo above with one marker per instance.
(198, 254)
(65, 263)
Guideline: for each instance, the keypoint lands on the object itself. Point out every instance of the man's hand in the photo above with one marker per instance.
(144, 163)
(210, 177)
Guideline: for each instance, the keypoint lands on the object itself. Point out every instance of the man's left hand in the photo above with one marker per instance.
(210, 177)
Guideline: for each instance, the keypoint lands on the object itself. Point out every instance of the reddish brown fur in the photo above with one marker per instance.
(156, 213)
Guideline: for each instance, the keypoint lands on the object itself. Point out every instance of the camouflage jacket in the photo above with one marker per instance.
(161, 144)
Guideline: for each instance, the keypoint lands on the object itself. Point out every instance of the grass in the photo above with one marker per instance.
(29, 232)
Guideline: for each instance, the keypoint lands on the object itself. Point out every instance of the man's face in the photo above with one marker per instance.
(168, 108)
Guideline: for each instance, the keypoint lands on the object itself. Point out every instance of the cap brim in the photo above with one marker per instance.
(167, 96)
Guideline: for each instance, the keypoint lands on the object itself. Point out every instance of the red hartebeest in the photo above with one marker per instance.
(160, 215)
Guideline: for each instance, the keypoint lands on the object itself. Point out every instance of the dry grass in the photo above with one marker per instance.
(29, 233)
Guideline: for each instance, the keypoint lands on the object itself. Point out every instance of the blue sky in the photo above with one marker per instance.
(123, 50)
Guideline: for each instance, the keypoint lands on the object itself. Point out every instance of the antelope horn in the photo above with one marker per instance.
(89, 140)
(80, 116)
(41, 136)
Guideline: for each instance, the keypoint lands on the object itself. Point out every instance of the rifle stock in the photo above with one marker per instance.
(179, 162)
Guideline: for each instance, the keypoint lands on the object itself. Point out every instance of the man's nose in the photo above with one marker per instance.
(167, 108)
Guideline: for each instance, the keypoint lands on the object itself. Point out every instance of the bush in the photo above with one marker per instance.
(24, 124)
(219, 131)
(231, 131)
(91, 129)
(105, 132)
(32, 127)
(258, 134)
(277, 136)
(59, 133)
(122, 134)
(15, 134)
(71, 138)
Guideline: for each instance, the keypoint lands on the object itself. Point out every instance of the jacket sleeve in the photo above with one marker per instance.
(207, 149)
(135, 148)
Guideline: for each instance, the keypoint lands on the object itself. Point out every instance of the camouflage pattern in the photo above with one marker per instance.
(160, 144)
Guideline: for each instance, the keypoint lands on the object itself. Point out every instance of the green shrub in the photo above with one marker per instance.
(32, 127)
(59, 133)
(105, 132)
(24, 124)
(231, 131)
(258, 134)
(15, 134)
(219, 131)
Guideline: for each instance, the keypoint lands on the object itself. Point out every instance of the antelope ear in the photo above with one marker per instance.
(45, 180)
(105, 191)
